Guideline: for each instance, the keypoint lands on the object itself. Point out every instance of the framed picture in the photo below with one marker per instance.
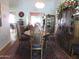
(0, 17)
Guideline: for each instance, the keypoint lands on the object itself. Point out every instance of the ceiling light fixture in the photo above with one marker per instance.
(39, 5)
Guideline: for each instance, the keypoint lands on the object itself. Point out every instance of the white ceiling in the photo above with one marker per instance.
(50, 5)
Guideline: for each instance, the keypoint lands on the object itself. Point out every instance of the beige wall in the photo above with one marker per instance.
(4, 29)
(76, 34)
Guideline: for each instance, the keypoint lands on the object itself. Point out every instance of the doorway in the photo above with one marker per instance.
(36, 18)
(13, 29)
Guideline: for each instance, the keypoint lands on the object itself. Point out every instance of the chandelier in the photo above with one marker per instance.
(40, 4)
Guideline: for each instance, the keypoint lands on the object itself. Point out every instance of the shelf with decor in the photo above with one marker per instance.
(77, 11)
(68, 5)
(65, 15)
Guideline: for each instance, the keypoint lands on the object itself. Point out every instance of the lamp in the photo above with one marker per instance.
(39, 5)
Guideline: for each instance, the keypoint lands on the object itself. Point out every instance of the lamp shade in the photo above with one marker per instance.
(39, 5)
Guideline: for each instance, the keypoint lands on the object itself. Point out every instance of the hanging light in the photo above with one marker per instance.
(39, 5)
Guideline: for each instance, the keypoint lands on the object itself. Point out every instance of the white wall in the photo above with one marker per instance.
(28, 6)
(22, 7)
(4, 29)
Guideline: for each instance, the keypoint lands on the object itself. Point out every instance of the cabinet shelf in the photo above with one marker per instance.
(76, 14)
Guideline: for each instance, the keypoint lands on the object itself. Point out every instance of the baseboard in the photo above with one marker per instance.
(5, 46)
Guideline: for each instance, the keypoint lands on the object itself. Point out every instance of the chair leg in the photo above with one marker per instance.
(72, 52)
